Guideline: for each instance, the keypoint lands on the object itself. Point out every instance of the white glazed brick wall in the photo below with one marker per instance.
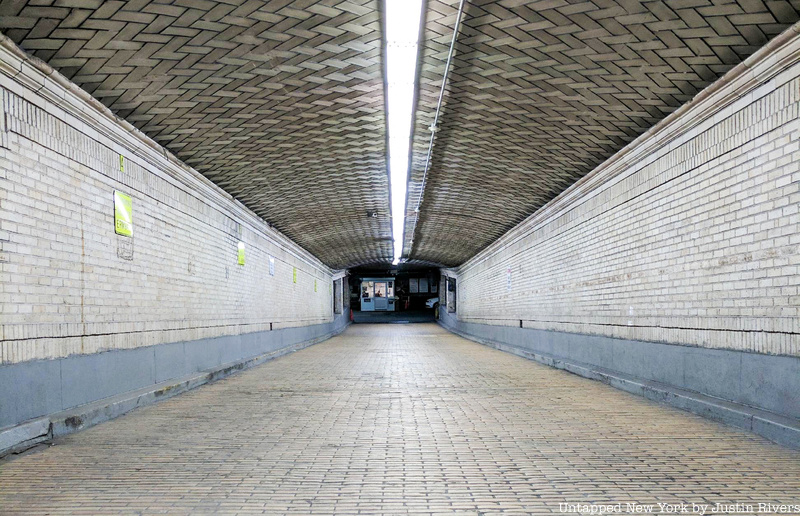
(68, 284)
(699, 246)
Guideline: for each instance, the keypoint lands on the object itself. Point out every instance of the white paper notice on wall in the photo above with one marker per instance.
(413, 285)
(508, 279)
(271, 265)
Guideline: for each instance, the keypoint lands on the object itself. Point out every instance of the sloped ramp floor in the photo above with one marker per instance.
(398, 419)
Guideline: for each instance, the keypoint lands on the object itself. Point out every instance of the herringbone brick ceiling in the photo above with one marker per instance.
(281, 102)
(541, 92)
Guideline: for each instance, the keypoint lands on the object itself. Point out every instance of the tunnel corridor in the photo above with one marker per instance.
(582, 218)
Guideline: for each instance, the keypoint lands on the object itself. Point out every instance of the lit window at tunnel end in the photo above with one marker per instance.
(402, 24)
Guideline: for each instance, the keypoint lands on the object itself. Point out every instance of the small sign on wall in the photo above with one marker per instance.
(294, 274)
(123, 214)
(241, 253)
(121, 163)
(508, 279)
(315, 285)
(271, 265)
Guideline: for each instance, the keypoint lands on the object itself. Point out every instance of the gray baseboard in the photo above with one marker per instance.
(47, 398)
(759, 393)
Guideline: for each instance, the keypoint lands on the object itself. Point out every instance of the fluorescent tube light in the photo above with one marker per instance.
(402, 40)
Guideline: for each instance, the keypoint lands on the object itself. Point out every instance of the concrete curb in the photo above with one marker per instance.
(19, 438)
(782, 430)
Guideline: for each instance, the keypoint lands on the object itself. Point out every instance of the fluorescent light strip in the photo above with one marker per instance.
(402, 40)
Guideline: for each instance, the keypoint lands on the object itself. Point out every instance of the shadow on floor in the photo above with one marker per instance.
(410, 316)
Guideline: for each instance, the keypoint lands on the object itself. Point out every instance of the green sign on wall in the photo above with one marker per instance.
(241, 253)
(315, 285)
(294, 274)
(123, 214)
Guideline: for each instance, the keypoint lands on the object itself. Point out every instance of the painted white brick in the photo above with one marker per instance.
(71, 285)
(695, 244)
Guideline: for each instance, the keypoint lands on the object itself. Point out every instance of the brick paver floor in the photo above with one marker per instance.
(395, 419)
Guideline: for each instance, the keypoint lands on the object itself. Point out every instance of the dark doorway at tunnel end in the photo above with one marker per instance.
(394, 294)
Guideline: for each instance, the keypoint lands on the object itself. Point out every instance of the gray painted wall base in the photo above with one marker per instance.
(783, 387)
(173, 357)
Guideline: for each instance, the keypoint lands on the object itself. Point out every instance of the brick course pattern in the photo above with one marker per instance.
(397, 419)
(70, 285)
(278, 102)
(694, 241)
(542, 92)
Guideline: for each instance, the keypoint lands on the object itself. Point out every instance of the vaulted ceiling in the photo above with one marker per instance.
(281, 102)
(541, 92)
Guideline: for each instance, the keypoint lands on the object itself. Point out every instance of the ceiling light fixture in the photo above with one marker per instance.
(402, 24)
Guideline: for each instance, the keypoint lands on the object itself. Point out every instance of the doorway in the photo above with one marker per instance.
(381, 301)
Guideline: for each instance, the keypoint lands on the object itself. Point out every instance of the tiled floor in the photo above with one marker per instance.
(395, 419)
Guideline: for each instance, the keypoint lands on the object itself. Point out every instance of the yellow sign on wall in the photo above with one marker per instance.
(315, 285)
(294, 274)
(123, 214)
(241, 253)
(121, 163)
